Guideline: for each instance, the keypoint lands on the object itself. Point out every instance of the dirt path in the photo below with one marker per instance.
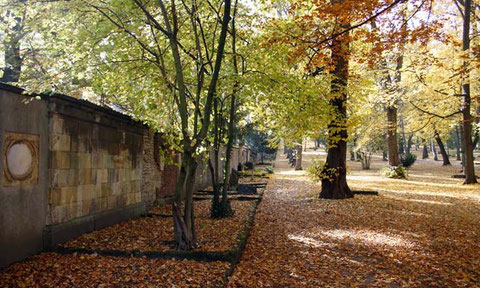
(397, 239)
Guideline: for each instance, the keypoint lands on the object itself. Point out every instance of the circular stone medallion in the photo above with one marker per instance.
(20, 160)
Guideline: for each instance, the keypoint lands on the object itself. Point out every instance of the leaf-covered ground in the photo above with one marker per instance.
(156, 233)
(420, 232)
(79, 270)
(144, 234)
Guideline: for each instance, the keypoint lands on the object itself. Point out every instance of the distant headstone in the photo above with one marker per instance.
(233, 179)
(246, 189)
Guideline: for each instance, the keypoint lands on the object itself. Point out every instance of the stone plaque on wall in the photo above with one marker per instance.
(20, 159)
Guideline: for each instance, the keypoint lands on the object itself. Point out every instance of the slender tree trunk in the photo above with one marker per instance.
(13, 60)
(409, 143)
(434, 150)
(445, 157)
(393, 157)
(458, 143)
(425, 152)
(336, 187)
(403, 145)
(225, 205)
(469, 170)
(184, 234)
(298, 162)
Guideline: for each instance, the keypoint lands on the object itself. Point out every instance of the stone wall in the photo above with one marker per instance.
(96, 157)
(23, 121)
(88, 167)
(152, 169)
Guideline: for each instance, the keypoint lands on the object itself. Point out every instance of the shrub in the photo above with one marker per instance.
(269, 169)
(408, 160)
(318, 172)
(395, 172)
(249, 165)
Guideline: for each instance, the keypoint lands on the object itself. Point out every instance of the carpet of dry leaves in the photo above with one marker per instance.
(420, 232)
(156, 233)
(80, 270)
(153, 233)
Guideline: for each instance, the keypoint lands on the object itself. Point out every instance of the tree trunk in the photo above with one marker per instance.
(434, 150)
(393, 157)
(446, 160)
(13, 60)
(336, 187)
(469, 170)
(458, 143)
(184, 232)
(298, 163)
(425, 152)
(409, 143)
(225, 205)
(403, 142)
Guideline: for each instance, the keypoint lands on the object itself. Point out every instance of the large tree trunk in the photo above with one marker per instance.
(298, 162)
(446, 160)
(393, 157)
(336, 187)
(469, 170)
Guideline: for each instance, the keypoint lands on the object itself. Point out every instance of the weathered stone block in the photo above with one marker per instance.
(68, 195)
(87, 191)
(59, 160)
(81, 160)
(98, 160)
(54, 196)
(58, 214)
(82, 145)
(59, 142)
(102, 175)
(62, 177)
(87, 206)
(85, 130)
(108, 160)
(118, 161)
(57, 125)
(87, 176)
(111, 202)
(106, 189)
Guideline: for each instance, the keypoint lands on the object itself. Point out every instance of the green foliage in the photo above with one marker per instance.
(269, 169)
(319, 171)
(408, 160)
(249, 165)
(395, 172)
